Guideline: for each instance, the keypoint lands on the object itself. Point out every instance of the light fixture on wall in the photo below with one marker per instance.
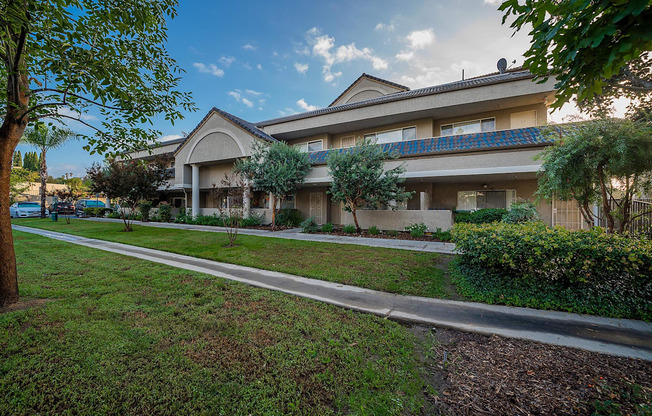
(485, 186)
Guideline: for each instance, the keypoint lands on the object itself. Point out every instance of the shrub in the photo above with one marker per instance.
(522, 211)
(373, 230)
(309, 225)
(155, 218)
(113, 214)
(165, 211)
(417, 230)
(181, 217)
(442, 235)
(96, 212)
(392, 233)
(349, 229)
(327, 228)
(213, 220)
(481, 216)
(252, 220)
(288, 217)
(554, 268)
(145, 208)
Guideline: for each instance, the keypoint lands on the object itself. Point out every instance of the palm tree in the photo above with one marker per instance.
(44, 139)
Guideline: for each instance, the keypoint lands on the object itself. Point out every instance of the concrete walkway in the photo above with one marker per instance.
(620, 337)
(296, 234)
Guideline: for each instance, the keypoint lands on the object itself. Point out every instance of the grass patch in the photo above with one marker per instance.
(126, 336)
(389, 270)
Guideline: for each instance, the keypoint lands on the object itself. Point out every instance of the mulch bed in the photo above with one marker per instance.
(489, 375)
(402, 235)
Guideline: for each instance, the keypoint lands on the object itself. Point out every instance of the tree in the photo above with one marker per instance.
(606, 162)
(592, 48)
(45, 139)
(19, 182)
(231, 190)
(359, 178)
(62, 59)
(71, 194)
(18, 160)
(130, 182)
(278, 169)
(30, 162)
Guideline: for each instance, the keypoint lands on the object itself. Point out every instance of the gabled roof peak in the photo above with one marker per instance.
(371, 78)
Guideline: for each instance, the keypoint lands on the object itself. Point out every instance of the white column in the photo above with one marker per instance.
(246, 203)
(108, 202)
(424, 201)
(195, 190)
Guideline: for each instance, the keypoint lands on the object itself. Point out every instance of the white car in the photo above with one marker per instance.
(26, 210)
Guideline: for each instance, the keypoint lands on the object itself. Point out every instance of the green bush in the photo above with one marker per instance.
(252, 220)
(95, 212)
(327, 228)
(113, 214)
(165, 212)
(145, 208)
(181, 217)
(392, 233)
(288, 217)
(373, 230)
(349, 229)
(417, 230)
(213, 220)
(309, 225)
(522, 211)
(442, 235)
(481, 216)
(533, 265)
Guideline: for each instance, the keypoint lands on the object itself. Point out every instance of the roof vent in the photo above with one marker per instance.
(502, 65)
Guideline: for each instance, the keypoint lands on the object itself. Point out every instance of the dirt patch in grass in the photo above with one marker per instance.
(24, 304)
(476, 374)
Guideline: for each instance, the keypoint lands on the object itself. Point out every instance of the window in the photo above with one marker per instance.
(390, 136)
(289, 202)
(474, 200)
(469, 127)
(313, 146)
(347, 142)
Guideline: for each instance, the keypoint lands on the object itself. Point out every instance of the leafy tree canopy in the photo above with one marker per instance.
(359, 178)
(19, 182)
(278, 169)
(605, 162)
(592, 48)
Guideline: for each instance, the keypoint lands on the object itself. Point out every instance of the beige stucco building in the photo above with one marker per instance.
(466, 145)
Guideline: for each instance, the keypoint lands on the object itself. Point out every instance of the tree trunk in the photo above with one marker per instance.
(43, 171)
(355, 220)
(10, 133)
(606, 206)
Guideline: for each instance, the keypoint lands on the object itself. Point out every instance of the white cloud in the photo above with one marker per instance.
(390, 27)
(253, 92)
(227, 60)
(239, 98)
(249, 47)
(66, 111)
(419, 39)
(300, 48)
(246, 66)
(301, 68)
(493, 2)
(169, 137)
(405, 56)
(305, 106)
(287, 111)
(209, 69)
(260, 67)
(323, 47)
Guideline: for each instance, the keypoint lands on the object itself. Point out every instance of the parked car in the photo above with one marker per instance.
(26, 210)
(63, 208)
(87, 203)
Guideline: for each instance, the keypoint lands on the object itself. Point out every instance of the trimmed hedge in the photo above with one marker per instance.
(481, 216)
(554, 268)
(288, 217)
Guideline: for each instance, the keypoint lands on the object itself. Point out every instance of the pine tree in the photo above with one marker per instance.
(18, 160)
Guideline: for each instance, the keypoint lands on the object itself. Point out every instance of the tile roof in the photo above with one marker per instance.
(530, 136)
(245, 125)
(453, 86)
(373, 78)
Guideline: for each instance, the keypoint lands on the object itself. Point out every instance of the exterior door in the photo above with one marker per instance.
(568, 215)
(316, 206)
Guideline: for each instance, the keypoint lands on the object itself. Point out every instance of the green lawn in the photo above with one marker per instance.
(389, 270)
(119, 335)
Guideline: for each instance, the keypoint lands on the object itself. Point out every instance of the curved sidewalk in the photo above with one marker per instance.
(620, 337)
(296, 234)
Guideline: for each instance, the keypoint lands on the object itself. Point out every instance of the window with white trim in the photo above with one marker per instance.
(347, 142)
(474, 200)
(313, 146)
(469, 127)
(391, 136)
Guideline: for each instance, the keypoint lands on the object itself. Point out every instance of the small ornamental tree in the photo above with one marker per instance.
(232, 188)
(129, 182)
(71, 194)
(45, 139)
(605, 162)
(278, 169)
(359, 178)
(18, 160)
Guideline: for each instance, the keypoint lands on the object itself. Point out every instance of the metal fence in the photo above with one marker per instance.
(638, 207)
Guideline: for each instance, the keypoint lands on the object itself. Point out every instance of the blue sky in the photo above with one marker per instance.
(262, 59)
